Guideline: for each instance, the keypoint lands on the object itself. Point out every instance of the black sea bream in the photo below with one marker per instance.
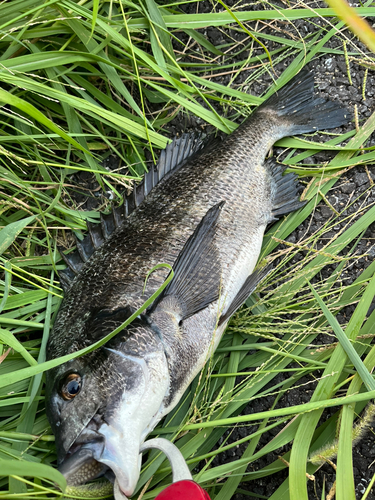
(204, 211)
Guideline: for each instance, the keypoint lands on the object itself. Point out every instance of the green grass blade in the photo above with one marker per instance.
(9, 233)
(31, 110)
(23, 468)
(352, 330)
(7, 338)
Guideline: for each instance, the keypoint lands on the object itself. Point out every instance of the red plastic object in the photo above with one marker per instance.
(183, 490)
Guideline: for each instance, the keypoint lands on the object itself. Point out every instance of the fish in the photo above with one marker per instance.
(203, 211)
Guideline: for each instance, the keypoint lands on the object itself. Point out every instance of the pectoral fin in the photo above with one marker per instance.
(197, 270)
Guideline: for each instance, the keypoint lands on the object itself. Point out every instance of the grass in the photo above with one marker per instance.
(84, 80)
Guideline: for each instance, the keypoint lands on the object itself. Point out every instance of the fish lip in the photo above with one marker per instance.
(84, 452)
(84, 439)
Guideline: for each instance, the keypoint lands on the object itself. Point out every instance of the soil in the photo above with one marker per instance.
(331, 76)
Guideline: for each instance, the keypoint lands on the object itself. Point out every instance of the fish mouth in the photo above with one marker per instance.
(81, 463)
(93, 455)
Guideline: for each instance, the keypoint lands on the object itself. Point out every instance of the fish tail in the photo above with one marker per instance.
(301, 111)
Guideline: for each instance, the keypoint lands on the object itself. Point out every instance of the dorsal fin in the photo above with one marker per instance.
(176, 154)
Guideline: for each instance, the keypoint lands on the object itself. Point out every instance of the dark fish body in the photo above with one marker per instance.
(220, 202)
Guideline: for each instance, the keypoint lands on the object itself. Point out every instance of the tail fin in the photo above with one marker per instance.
(304, 112)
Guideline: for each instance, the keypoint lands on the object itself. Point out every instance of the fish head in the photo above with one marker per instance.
(73, 400)
(102, 406)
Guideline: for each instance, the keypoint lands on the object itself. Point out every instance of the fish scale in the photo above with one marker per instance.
(204, 212)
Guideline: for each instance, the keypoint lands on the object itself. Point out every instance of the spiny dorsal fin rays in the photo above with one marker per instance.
(176, 154)
(96, 236)
(107, 224)
(72, 260)
(84, 247)
(66, 277)
(197, 278)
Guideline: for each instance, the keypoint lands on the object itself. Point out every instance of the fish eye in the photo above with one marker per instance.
(71, 386)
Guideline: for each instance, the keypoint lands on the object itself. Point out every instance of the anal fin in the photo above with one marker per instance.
(246, 290)
(285, 190)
